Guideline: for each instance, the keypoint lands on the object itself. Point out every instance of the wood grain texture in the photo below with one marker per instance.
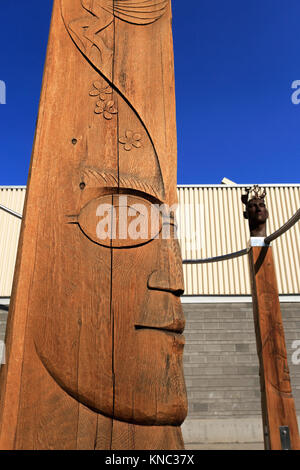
(94, 336)
(278, 407)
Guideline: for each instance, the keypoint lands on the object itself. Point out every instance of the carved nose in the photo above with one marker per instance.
(161, 280)
(169, 275)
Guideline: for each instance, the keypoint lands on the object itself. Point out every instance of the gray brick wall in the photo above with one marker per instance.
(3, 319)
(220, 360)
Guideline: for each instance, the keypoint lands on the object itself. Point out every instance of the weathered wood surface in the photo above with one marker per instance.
(94, 341)
(278, 407)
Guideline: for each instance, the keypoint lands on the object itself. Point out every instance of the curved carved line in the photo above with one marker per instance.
(125, 17)
(123, 9)
(70, 393)
(114, 87)
(80, 399)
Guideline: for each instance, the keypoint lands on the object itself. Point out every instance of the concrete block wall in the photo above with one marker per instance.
(3, 319)
(220, 360)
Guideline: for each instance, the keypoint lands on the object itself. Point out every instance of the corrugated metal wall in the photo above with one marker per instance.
(13, 198)
(215, 215)
(211, 223)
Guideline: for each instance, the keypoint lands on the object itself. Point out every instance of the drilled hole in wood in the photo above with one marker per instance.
(82, 186)
(74, 141)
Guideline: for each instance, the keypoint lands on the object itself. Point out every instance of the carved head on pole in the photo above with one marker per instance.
(255, 211)
(126, 276)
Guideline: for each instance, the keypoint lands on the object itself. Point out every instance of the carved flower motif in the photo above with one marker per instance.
(107, 108)
(98, 90)
(131, 139)
(105, 105)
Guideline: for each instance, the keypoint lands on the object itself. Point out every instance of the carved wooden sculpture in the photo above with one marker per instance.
(94, 338)
(278, 407)
(256, 212)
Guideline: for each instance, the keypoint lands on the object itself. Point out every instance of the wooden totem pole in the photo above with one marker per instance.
(278, 407)
(94, 339)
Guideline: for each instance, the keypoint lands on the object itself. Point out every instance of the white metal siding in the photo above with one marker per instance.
(13, 198)
(215, 215)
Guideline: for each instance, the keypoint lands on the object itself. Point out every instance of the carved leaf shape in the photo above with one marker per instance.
(98, 85)
(99, 107)
(137, 144)
(112, 111)
(94, 92)
(107, 115)
(129, 134)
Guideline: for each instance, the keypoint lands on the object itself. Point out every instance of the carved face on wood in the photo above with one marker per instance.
(129, 341)
(257, 214)
(113, 340)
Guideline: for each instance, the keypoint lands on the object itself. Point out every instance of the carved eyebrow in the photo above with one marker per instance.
(110, 179)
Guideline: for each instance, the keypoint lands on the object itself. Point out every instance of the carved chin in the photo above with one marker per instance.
(150, 388)
(147, 394)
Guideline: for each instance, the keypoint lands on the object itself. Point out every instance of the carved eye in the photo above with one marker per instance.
(120, 220)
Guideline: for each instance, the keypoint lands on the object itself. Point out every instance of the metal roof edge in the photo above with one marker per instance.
(13, 187)
(267, 185)
(215, 299)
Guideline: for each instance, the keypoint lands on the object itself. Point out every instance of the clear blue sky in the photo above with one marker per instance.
(235, 61)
